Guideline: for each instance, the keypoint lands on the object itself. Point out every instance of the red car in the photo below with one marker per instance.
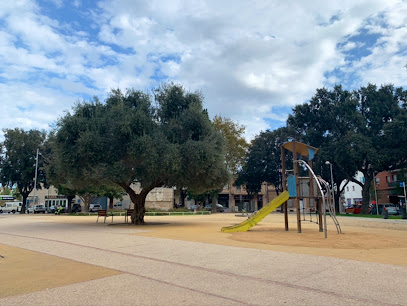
(356, 209)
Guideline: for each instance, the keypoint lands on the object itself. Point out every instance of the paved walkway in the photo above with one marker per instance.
(155, 271)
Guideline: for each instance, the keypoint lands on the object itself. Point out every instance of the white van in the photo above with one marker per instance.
(11, 207)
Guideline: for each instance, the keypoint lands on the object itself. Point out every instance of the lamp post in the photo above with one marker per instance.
(332, 182)
(35, 177)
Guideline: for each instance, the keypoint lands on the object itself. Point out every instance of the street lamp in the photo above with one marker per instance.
(332, 182)
(35, 177)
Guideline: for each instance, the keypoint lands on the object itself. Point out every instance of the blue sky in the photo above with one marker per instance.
(253, 61)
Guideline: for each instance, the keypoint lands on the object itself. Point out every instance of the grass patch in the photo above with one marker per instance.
(147, 213)
(369, 216)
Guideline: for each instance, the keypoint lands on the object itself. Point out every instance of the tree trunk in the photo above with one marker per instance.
(86, 198)
(137, 217)
(366, 195)
(111, 202)
(70, 198)
(24, 207)
(139, 201)
(214, 202)
(337, 196)
(183, 195)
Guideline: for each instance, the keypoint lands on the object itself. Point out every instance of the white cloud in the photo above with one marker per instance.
(247, 58)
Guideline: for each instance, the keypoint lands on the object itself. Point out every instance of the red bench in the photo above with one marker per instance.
(103, 213)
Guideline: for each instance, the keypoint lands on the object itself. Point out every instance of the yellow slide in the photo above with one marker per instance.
(257, 217)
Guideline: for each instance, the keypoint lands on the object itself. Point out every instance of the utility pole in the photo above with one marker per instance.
(35, 177)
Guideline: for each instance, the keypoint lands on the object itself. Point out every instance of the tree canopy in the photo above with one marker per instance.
(236, 144)
(354, 130)
(140, 141)
(19, 150)
(263, 161)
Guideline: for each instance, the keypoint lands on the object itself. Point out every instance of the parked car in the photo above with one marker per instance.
(118, 205)
(356, 209)
(391, 209)
(36, 209)
(219, 207)
(76, 208)
(192, 207)
(52, 209)
(11, 207)
(94, 207)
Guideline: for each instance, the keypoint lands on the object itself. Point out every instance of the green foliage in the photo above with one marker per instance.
(164, 139)
(263, 161)
(6, 191)
(17, 194)
(401, 177)
(181, 209)
(17, 166)
(236, 145)
(354, 131)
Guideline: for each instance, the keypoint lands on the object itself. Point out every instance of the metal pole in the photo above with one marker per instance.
(35, 177)
(375, 193)
(333, 191)
(320, 189)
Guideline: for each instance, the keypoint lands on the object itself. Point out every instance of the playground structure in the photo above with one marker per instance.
(297, 189)
(257, 217)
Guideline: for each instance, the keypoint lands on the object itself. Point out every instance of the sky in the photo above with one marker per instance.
(252, 60)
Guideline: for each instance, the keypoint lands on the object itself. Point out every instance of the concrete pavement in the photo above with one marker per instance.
(156, 271)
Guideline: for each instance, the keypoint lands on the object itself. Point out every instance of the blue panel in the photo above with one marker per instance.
(292, 188)
(311, 153)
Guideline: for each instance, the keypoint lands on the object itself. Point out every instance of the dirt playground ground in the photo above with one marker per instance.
(368, 240)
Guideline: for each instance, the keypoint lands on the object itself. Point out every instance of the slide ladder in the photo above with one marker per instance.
(331, 205)
(257, 217)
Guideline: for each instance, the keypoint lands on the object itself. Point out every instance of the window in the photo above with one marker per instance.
(395, 177)
(347, 188)
(387, 179)
(377, 180)
(353, 188)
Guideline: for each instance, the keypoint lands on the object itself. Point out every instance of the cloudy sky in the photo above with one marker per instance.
(252, 60)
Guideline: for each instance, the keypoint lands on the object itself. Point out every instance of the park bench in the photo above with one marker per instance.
(128, 214)
(103, 213)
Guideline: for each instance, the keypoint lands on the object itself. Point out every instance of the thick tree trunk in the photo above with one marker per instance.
(111, 202)
(183, 195)
(139, 201)
(137, 217)
(214, 202)
(24, 207)
(86, 198)
(70, 198)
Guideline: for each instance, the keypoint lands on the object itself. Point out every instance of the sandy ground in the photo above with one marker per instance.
(369, 240)
(365, 240)
(23, 271)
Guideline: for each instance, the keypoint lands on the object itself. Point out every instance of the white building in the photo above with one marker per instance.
(352, 193)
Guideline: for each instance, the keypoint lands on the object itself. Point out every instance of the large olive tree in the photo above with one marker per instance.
(140, 141)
